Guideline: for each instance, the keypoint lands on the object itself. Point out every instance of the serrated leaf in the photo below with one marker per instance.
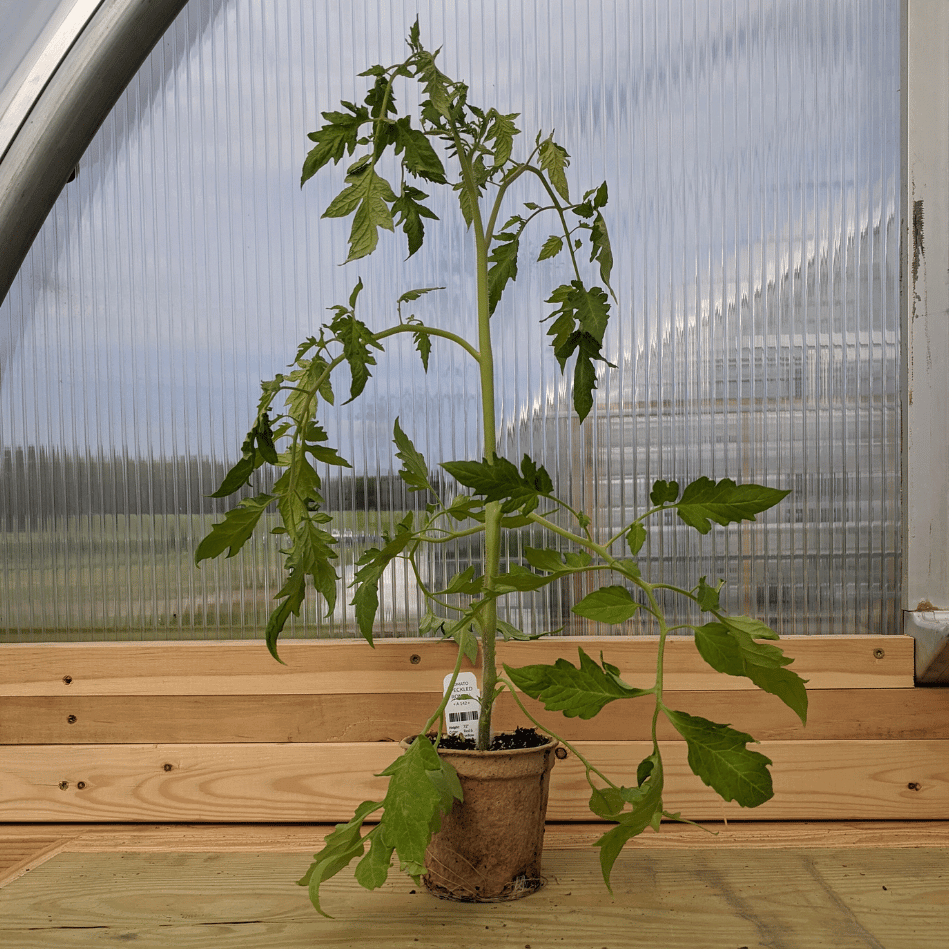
(503, 267)
(418, 155)
(635, 538)
(562, 687)
(237, 477)
(552, 246)
(718, 754)
(369, 195)
(601, 251)
(235, 530)
(501, 130)
(414, 471)
(646, 801)
(357, 341)
(371, 566)
(340, 848)
(501, 481)
(414, 803)
(408, 212)
(334, 139)
(729, 647)
(709, 596)
(423, 345)
(611, 604)
(465, 582)
(664, 492)
(554, 160)
(724, 502)
(373, 870)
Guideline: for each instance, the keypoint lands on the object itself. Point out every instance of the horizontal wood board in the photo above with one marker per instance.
(833, 714)
(816, 898)
(300, 782)
(400, 666)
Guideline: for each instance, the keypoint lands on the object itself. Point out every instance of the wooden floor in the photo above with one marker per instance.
(758, 886)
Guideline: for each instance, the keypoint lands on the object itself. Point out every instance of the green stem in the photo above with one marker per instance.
(590, 769)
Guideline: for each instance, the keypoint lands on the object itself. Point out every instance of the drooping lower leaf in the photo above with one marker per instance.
(422, 787)
(235, 530)
(730, 648)
(646, 811)
(340, 848)
(562, 687)
(720, 756)
(414, 471)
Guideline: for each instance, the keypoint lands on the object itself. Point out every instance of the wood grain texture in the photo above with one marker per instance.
(20, 854)
(834, 714)
(305, 838)
(804, 899)
(302, 782)
(329, 667)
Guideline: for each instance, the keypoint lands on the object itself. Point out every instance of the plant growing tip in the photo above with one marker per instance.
(422, 786)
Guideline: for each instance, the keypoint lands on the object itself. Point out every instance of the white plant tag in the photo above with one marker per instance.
(464, 707)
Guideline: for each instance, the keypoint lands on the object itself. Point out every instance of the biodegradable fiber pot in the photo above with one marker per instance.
(489, 846)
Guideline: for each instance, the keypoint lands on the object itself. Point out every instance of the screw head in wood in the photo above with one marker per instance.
(63, 785)
(67, 679)
(71, 719)
(168, 767)
(878, 653)
(561, 753)
(415, 659)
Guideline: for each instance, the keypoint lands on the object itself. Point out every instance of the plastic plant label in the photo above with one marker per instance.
(464, 707)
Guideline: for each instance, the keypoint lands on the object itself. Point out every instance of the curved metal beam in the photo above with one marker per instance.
(52, 133)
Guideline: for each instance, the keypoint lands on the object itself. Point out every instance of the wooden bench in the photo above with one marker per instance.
(218, 732)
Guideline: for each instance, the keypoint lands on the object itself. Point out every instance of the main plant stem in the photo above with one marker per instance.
(492, 511)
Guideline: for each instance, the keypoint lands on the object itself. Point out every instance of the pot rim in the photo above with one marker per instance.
(549, 745)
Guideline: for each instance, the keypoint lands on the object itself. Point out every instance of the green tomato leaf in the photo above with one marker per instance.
(563, 687)
(369, 195)
(636, 537)
(552, 246)
(235, 530)
(409, 211)
(501, 481)
(646, 811)
(414, 803)
(554, 160)
(612, 604)
(419, 157)
(340, 848)
(503, 267)
(601, 251)
(373, 870)
(709, 596)
(719, 755)
(724, 502)
(664, 492)
(730, 647)
(334, 139)
(520, 578)
(414, 471)
(357, 340)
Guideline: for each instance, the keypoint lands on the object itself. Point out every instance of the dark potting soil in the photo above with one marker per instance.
(507, 741)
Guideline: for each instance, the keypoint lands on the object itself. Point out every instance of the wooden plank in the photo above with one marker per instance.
(305, 838)
(300, 782)
(804, 899)
(112, 719)
(327, 667)
(18, 855)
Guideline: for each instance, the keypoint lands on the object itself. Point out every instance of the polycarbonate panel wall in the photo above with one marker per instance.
(752, 154)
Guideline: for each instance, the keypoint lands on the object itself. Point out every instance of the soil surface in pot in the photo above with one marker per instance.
(507, 741)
